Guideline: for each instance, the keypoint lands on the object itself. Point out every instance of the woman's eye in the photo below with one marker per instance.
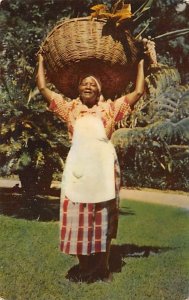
(86, 84)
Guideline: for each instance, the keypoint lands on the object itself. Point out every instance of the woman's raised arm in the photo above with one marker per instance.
(134, 96)
(41, 81)
(139, 86)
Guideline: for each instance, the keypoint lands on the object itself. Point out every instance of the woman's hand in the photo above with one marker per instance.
(40, 58)
(150, 52)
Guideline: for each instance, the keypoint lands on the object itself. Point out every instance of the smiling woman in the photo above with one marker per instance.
(90, 185)
(89, 90)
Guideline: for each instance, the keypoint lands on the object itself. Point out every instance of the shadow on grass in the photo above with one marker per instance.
(125, 211)
(130, 250)
(45, 207)
(118, 254)
(15, 203)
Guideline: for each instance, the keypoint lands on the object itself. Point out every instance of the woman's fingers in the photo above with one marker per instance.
(149, 47)
(148, 44)
(40, 57)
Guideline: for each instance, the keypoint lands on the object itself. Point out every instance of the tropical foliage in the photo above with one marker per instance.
(32, 140)
(157, 155)
(32, 145)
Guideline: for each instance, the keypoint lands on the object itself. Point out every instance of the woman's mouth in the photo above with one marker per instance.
(87, 92)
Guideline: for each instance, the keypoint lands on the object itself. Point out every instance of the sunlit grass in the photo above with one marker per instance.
(150, 258)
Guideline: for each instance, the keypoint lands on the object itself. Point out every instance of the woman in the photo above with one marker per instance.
(90, 185)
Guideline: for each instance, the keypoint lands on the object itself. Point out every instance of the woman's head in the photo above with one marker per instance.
(89, 90)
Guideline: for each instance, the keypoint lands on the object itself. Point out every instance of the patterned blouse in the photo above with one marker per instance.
(109, 111)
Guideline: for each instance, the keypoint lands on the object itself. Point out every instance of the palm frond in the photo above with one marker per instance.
(144, 7)
(143, 30)
(172, 34)
(142, 10)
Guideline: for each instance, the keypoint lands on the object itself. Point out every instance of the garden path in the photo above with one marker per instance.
(173, 198)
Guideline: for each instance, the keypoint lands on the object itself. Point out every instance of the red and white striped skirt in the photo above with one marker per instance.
(86, 227)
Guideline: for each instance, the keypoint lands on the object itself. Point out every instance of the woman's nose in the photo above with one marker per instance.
(88, 85)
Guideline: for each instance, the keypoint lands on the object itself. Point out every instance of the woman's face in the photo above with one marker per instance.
(89, 91)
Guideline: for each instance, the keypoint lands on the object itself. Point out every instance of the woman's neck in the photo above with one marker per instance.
(88, 104)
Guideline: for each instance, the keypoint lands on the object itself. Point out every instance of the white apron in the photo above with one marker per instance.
(89, 170)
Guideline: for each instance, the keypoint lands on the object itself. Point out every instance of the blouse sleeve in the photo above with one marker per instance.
(121, 109)
(60, 106)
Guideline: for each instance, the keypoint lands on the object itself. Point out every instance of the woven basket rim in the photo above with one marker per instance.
(88, 18)
(65, 21)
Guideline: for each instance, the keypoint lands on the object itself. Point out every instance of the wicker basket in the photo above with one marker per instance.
(88, 46)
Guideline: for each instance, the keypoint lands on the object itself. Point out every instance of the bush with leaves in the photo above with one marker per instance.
(33, 144)
(167, 16)
(157, 155)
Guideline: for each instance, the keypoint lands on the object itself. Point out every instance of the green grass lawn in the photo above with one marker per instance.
(149, 260)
